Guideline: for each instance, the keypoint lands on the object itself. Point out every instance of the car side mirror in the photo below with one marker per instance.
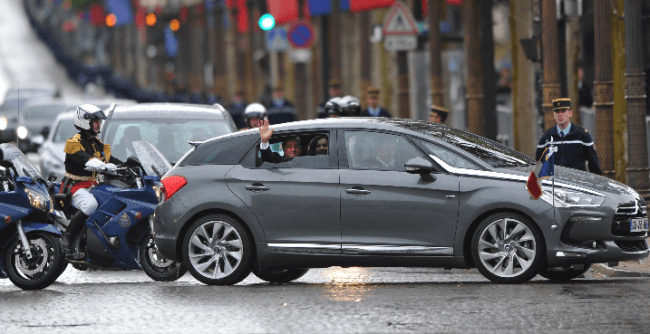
(418, 166)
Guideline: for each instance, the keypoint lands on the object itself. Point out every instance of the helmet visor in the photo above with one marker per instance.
(99, 114)
(255, 114)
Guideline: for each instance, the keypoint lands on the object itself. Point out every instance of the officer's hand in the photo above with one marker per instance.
(265, 131)
(94, 164)
(111, 168)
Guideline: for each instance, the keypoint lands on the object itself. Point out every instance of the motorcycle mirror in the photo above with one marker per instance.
(133, 162)
(51, 177)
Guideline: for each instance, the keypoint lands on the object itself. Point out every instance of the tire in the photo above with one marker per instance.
(156, 266)
(508, 248)
(565, 273)
(280, 275)
(45, 266)
(217, 250)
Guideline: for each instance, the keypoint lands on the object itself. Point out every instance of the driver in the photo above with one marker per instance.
(84, 150)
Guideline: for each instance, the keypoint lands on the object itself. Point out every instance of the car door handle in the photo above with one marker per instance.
(257, 187)
(357, 191)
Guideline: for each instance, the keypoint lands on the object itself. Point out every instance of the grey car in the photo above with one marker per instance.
(387, 192)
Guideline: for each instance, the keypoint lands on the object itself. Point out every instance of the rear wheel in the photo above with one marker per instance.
(508, 248)
(564, 273)
(42, 269)
(155, 265)
(217, 250)
(279, 275)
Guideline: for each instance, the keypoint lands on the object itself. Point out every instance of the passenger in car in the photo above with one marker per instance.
(291, 146)
(386, 155)
(125, 148)
(318, 145)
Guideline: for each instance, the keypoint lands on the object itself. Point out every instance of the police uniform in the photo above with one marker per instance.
(439, 111)
(379, 111)
(574, 149)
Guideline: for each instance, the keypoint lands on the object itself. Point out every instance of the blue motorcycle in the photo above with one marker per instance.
(118, 235)
(30, 250)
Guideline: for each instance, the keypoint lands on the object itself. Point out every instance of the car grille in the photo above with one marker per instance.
(621, 222)
(632, 246)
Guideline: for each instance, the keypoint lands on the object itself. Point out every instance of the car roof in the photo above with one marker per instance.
(376, 123)
(165, 110)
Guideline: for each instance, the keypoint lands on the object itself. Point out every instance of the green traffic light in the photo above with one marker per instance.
(267, 22)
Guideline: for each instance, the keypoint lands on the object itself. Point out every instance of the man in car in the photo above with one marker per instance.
(386, 155)
(84, 150)
(291, 147)
(575, 147)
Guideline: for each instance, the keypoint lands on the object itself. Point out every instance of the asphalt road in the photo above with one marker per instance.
(333, 300)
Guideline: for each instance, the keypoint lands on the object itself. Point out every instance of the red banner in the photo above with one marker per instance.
(242, 17)
(283, 10)
(361, 5)
(425, 8)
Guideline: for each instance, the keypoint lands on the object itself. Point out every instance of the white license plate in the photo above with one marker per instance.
(638, 224)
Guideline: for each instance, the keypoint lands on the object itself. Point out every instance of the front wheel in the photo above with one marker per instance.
(217, 250)
(564, 273)
(279, 275)
(42, 269)
(155, 265)
(508, 248)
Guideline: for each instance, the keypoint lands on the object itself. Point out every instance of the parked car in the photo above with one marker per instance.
(169, 126)
(389, 193)
(34, 123)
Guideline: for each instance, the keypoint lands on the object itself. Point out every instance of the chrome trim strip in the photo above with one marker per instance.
(502, 176)
(390, 249)
(304, 245)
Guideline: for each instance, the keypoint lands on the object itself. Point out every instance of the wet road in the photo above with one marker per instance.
(333, 300)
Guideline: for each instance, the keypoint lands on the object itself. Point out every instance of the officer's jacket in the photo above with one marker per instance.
(383, 112)
(573, 151)
(81, 148)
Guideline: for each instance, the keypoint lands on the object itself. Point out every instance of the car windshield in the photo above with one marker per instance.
(44, 112)
(64, 131)
(169, 136)
(491, 152)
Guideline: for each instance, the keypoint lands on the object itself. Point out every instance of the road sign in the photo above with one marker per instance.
(401, 43)
(276, 40)
(399, 21)
(301, 35)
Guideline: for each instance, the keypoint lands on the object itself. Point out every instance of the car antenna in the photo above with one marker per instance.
(16, 132)
(109, 112)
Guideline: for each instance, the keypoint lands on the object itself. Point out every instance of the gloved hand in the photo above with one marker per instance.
(95, 164)
(111, 168)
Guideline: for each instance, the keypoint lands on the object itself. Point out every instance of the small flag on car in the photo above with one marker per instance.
(544, 168)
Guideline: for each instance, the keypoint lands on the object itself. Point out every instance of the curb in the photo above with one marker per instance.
(611, 272)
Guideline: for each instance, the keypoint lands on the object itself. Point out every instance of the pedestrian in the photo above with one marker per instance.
(374, 109)
(280, 110)
(236, 109)
(334, 91)
(574, 144)
(438, 114)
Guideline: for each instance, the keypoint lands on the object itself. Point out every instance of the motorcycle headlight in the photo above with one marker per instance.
(21, 132)
(3, 123)
(569, 198)
(37, 200)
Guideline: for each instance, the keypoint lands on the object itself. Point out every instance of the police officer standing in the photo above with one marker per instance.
(575, 147)
(438, 114)
(374, 109)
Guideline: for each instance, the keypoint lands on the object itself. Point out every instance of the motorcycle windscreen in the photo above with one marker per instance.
(153, 162)
(23, 166)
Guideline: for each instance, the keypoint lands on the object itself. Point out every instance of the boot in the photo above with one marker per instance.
(71, 234)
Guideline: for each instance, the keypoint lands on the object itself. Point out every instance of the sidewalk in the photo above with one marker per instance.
(625, 269)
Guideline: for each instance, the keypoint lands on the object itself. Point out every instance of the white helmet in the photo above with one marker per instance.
(87, 113)
(255, 110)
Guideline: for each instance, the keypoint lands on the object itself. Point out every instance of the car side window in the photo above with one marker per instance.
(379, 151)
(302, 150)
(450, 158)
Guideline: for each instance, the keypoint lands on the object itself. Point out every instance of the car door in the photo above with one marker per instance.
(297, 202)
(386, 209)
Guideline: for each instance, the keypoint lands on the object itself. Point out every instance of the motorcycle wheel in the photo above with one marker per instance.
(44, 267)
(280, 275)
(157, 267)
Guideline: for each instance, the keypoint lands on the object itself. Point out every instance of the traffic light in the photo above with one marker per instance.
(267, 22)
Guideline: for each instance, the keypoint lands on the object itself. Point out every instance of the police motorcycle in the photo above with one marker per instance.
(118, 234)
(30, 250)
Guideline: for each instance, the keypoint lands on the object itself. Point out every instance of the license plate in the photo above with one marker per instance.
(638, 224)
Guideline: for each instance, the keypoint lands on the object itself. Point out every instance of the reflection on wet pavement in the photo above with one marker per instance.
(347, 284)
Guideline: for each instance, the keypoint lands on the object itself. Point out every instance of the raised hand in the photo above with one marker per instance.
(265, 131)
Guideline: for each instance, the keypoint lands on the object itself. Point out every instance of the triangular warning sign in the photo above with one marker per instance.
(399, 21)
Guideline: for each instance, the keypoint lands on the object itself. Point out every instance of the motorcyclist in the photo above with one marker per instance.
(254, 114)
(84, 150)
(347, 106)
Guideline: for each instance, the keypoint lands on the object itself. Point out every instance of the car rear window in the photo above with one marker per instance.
(221, 151)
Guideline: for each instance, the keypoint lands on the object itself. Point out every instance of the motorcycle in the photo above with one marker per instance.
(30, 249)
(118, 234)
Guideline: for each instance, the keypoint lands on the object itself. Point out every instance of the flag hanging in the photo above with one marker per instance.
(544, 168)
(362, 5)
(283, 11)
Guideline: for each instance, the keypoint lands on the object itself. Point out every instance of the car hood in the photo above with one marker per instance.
(577, 178)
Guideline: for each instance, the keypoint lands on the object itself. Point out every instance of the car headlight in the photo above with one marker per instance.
(36, 200)
(3, 123)
(21, 132)
(568, 198)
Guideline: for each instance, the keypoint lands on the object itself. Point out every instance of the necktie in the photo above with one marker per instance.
(562, 135)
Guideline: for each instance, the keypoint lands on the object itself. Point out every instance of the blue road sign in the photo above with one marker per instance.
(276, 40)
(301, 35)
